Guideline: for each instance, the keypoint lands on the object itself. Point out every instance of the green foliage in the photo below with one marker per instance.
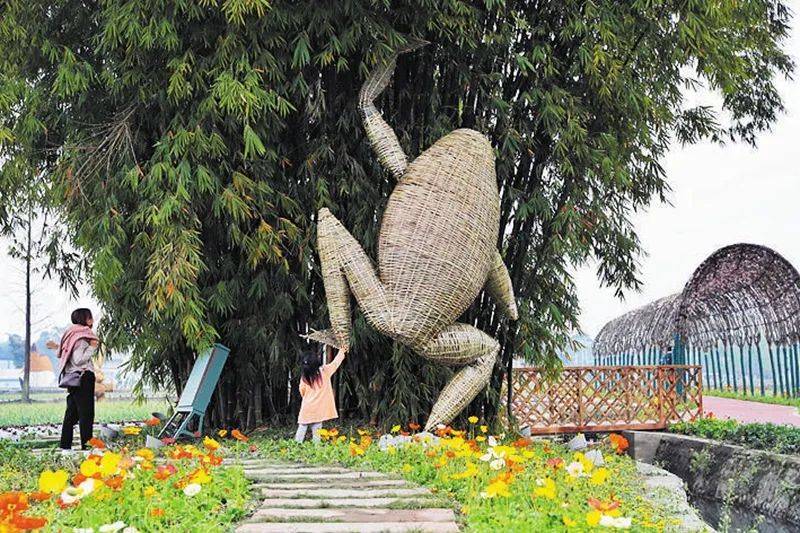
(188, 146)
(770, 437)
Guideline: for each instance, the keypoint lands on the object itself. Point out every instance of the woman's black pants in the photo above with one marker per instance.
(80, 410)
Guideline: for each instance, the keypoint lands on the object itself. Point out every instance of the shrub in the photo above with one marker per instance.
(770, 437)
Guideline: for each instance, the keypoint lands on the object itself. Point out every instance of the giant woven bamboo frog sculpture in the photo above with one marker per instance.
(437, 250)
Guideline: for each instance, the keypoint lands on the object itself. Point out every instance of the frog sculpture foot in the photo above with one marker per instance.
(437, 251)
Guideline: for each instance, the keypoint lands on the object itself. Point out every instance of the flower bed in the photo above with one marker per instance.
(128, 488)
(499, 484)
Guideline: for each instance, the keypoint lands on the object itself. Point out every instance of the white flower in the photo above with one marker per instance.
(497, 464)
(575, 469)
(112, 528)
(492, 441)
(192, 489)
(440, 426)
(83, 530)
(620, 522)
(73, 494)
(130, 529)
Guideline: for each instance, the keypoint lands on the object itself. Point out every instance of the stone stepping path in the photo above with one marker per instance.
(305, 498)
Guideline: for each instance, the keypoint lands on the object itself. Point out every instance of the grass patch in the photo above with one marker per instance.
(769, 437)
(36, 413)
(775, 400)
(509, 486)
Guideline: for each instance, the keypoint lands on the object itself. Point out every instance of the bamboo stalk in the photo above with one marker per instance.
(760, 367)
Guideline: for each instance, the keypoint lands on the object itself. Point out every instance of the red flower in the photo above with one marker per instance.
(413, 426)
(253, 448)
(238, 435)
(78, 478)
(157, 512)
(168, 441)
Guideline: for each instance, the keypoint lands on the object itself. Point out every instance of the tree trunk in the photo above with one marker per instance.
(26, 372)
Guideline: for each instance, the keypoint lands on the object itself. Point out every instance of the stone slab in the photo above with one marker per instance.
(303, 503)
(309, 470)
(337, 492)
(322, 479)
(355, 514)
(342, 483)
(337, 527)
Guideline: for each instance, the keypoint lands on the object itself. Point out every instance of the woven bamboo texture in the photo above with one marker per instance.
(606, 398)
(437, 250)
(739, 295)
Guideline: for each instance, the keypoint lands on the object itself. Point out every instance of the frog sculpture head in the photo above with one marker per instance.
(437, 250)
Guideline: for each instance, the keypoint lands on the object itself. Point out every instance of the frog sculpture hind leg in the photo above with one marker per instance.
(437, 251)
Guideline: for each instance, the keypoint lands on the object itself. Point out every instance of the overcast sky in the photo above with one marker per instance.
(720, 196)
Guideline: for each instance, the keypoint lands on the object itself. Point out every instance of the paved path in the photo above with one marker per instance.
(320, 499)
(745, 411)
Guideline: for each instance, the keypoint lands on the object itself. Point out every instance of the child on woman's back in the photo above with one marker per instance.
(315, 387)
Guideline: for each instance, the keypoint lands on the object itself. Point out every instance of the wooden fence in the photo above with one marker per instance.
(606, 398)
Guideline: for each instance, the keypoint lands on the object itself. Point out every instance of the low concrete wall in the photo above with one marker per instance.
(762, 482)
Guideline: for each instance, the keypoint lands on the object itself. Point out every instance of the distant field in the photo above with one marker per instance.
(52, 412)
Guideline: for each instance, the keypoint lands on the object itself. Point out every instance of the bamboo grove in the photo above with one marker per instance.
(186, 145)
(738, 317)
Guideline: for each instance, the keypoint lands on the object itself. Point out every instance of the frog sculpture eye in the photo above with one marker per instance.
(437, 251)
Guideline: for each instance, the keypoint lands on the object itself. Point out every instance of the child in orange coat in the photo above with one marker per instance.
(315, 387)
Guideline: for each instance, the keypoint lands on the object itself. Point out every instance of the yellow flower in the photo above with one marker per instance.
(586, 463)
(324, 433)
(396, 428)
(210, 443)
(363, 432)
(473, 420)
(149, 491)
(341, 438)
(569, 522)
(470, 471)
(465, 509)
(498, 489)
(89, 468)
(200, 477)
(599, 476)
(53, 482)
(146, 454)
(546, 489)
(131, 430)
(407, 468)
(355, 450)
(484, 429)
(593, 517)
(109, 463)
(222, 433)
(391, 450)
(480, 438)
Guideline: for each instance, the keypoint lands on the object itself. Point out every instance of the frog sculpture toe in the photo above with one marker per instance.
(436, 252)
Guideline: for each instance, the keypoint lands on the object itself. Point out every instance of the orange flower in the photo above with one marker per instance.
(157, 512)
(94, 442)
(238, 435)
(618, 443)
(253, 448)
(26, 523)
(555, 463)
(505, 477)
(521, 442)
(413, 426)
(450, 454)
(164, 471)
(39, 496)
(152, 422)
(78, 478)
(211, 459)
(602, 506)
(115, 482)
(12, 502)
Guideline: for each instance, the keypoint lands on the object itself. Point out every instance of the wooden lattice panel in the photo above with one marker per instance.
(606, 398)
